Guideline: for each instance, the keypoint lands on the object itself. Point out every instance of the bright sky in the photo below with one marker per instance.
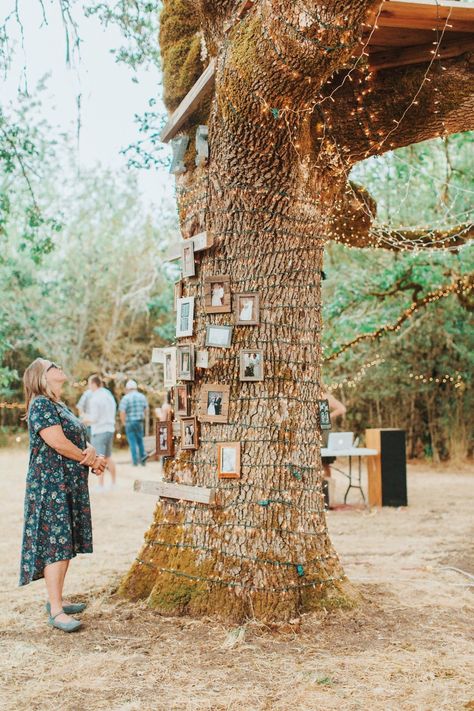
(109, 96)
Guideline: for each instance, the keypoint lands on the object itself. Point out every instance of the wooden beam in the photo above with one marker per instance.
(403, 56)
(191, 101)
(167, 490)
(201, 241)
(425, 15)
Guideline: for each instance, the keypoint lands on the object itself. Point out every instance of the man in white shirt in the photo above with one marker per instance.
(102, 410)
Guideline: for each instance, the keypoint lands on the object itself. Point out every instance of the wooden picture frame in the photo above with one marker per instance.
(218, 336)
(164, 439)
(185, 317)
(214, 403)
(169, 367)
(251, 365)
(228, 460)
(189, 433)
(181, 397)
(185, 362)
(188, 263)
(247, 309)
(217, 298)
(178, 292)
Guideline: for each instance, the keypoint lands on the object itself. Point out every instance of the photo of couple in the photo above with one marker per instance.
(214, 403)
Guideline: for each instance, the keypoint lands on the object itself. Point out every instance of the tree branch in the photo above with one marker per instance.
(463, 286)
(353, 225)
(392, 108)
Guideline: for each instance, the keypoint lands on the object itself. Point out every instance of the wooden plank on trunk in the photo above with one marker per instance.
(191, 101)
(201, 241)
(168, 490)
(404, 56)
(425, 15)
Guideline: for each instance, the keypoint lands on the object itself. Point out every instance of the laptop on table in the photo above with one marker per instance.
(340, 440)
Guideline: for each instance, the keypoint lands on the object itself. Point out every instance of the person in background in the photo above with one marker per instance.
(57, 513)
(101, 413)
(83, 408)
(132, 409)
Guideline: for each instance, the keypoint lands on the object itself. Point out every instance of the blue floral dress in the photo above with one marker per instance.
(57, 509)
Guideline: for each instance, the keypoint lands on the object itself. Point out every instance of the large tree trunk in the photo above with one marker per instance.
(268, 534)
(269, 197)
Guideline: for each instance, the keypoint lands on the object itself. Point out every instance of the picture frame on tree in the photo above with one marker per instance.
(251, 365)
(178, 292)
(185, 362)
(218, 336)
(324, 415)
(217, 297)
(228, 460)
(164, 439)
(187, 259)
(202, 359)
(185, 317)
(214, 403)
(169, 367)
(181, 396)
(247, 309)
(189, 432)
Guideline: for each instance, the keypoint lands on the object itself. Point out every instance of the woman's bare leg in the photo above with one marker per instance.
(54, 575)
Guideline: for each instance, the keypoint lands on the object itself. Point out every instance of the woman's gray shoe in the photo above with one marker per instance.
(64, 626)
(73, 609)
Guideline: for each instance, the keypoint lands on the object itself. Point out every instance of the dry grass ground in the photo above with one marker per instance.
(408, 646)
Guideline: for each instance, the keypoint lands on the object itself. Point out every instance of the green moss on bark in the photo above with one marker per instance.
(180, 46)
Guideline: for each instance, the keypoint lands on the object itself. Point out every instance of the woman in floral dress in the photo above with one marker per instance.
(57, 510)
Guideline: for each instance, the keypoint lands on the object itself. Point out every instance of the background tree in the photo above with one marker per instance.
(285, 130)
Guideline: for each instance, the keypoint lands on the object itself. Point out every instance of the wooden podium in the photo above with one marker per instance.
(387, 472)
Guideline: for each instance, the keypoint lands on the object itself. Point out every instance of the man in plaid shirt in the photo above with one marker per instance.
(132, 414)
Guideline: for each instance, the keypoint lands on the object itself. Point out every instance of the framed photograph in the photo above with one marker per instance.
(185, 362)
(164, 439)
(189, 433)
(178, 292)
(169, 367)
(185, 316)
(218, 336)
(228, 460)
(247, 309)
(324, 415)
(187, 259)
(202, 359)
(217, 294)
(181, 400)
(251, 365)
(214, 403)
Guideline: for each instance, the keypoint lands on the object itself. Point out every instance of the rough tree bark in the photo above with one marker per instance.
(279, 160)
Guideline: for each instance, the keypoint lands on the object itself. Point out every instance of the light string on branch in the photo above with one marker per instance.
(243, 586)
(463, 284)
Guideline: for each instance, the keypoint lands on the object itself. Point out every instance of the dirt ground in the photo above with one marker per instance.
(409, 645)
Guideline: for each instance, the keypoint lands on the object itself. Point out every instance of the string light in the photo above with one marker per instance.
(317, 582)
(461, 285)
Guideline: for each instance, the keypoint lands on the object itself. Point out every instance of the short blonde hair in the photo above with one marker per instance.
(35, 383)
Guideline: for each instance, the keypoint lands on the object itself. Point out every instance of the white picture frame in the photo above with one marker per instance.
(188, 262)
(218, 336)
(169, 367)
(184, 316)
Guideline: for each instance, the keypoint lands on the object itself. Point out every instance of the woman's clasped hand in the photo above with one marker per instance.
(93, 460)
